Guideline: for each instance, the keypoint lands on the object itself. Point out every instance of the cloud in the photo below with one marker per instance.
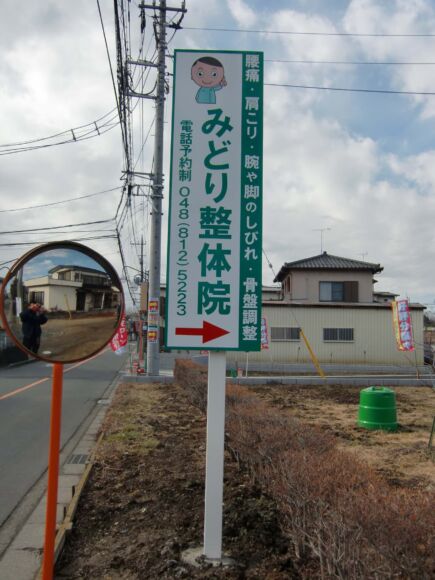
(417, 169)
(242, 13)
(398, 17)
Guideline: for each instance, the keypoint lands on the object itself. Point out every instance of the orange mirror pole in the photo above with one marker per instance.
(53, 472)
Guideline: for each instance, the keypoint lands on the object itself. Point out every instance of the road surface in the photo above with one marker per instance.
(25, 394)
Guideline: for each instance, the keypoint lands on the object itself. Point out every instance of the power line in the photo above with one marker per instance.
(95, 131)
(351, 62)
(57, 227)
(69, 232)
(118, 105)
(8, 262)
(350, 90)
(59, 202)
(65, 132)
(269, 263)
(36, 242)
(299, 33)
(124, 267)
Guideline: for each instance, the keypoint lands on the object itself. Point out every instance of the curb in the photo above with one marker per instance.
(67, 525)
(21, 363)
(22, 559)
(127, 377)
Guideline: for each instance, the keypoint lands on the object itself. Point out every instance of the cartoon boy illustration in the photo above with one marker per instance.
(208, 73)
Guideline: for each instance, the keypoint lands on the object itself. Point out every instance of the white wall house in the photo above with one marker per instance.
(73, 288)
(332, 299)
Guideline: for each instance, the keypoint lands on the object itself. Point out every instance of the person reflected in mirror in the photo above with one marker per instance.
(32, 318)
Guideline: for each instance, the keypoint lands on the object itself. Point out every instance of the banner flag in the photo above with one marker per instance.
(402, 325)
(119, 341)
(264, 334)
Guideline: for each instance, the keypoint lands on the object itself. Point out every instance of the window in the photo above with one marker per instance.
(37, 297)
(338, 334)
(338, 292)
(278, 333)
(95, 280)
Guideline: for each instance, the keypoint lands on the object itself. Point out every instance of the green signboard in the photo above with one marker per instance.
(215, 215)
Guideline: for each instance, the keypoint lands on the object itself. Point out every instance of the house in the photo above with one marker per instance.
(73, 288)
(332, 299)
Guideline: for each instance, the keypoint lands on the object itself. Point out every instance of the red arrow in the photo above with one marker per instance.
(208, 331)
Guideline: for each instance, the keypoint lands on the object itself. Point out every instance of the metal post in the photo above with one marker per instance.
(214, 470)
(53, 472)
(153, 348)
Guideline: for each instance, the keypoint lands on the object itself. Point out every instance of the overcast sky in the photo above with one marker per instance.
(359, 165)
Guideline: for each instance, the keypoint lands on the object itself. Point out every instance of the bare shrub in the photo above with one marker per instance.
(335, 510)
(193, 377)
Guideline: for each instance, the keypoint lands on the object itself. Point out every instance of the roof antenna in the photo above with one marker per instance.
(321, 230)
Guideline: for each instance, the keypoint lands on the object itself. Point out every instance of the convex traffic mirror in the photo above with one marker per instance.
(61, 302)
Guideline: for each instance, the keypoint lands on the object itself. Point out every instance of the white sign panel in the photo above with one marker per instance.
(215, 216)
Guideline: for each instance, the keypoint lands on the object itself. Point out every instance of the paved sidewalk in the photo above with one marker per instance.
(23, 557)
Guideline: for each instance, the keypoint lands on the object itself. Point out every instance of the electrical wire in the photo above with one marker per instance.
(96, 131)
(66, 131)
(73, 135)
(269, 263)
(351, 62)
(144, 142)
(59, 202)
(118, 104)
(124, 267)
(57, 227)
(35, 242)
(99, 230)
(299, 33)
(350, 90)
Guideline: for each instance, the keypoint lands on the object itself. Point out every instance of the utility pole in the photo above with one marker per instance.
(153, 334)
(142, 278)
(153, 346)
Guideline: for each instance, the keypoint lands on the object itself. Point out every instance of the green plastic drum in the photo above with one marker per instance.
(377, 409)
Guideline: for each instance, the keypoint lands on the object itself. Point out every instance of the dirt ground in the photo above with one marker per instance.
(143, 505)
(65, 339)
(402, 457)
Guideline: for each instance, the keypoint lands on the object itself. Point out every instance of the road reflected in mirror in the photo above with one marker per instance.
(62, 304)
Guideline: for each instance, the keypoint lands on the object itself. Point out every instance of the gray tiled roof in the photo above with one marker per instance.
(326, 261)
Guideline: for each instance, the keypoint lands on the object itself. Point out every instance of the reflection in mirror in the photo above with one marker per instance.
(63, 304)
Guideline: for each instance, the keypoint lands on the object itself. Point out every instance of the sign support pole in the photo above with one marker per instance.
(53, 472)
(214, 475)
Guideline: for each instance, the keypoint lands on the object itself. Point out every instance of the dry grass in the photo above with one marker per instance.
(335, 510)
(126, 424)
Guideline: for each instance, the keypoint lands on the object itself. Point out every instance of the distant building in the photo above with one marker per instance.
(73, 288)
(333, 300)
(384, 297)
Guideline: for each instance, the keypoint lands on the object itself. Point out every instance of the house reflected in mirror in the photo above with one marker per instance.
(62, 303)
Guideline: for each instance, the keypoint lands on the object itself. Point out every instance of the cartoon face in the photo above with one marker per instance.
(207, 75)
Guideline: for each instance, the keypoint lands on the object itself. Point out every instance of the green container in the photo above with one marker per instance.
(377, 409)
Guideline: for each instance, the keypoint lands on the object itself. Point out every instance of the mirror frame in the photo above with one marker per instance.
(68, 245)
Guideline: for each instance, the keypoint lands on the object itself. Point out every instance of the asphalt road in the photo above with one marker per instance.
(25, 395)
